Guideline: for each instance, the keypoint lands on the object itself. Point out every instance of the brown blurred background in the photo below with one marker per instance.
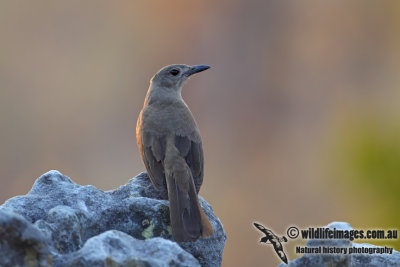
(299, 114)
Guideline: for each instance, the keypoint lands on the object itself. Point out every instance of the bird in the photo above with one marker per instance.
(274, 240)
(170, 146)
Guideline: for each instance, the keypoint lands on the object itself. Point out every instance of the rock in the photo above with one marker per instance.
(351, 260)
(61, 223)
(375, 260)
(115, 248)
(21, 243)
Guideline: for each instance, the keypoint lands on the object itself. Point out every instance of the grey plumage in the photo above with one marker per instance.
(171, 149)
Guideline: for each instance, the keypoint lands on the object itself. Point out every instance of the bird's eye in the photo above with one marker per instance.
(174, 72)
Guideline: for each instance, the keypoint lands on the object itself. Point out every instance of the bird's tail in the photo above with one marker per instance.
(188, 221)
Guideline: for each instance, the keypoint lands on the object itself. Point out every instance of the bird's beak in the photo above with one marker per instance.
(196, 69)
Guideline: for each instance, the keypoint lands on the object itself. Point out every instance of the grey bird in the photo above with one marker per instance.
(171, 149)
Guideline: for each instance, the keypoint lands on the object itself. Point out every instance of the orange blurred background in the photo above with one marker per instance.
(299, 114)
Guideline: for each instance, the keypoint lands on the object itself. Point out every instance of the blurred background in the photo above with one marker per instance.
(299, 114)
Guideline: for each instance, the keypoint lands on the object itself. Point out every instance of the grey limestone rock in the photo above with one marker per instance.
(115, 248)
(21, 243)
(60, 223)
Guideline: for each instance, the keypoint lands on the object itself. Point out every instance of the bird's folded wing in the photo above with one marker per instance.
(193, 153)
(153, 149)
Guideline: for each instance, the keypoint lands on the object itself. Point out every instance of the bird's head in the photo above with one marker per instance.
(173, 76)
